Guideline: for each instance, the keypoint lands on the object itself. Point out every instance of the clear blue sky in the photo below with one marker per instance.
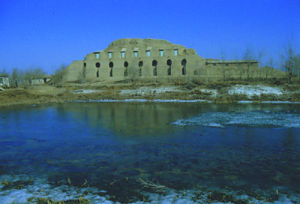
(48, 33)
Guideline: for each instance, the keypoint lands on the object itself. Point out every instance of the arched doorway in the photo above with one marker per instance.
(140, 67)
(111, 65)
(169, 63)
(154, 64)
(183, 63)
(98, 68)
(126, 69)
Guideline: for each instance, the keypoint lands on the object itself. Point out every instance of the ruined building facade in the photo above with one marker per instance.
(150, 59)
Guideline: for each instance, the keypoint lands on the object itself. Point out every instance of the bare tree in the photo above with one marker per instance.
(289, 61)
(15, 77)
(259, 59)
(58, 75)
(3, 72)
(297, 66)
(269, 67)
(34, 73)
(248, 55)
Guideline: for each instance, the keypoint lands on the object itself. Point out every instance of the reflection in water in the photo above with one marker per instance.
(114, 145)
(132, 119)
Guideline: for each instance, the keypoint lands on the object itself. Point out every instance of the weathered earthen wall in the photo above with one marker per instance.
(156, 60)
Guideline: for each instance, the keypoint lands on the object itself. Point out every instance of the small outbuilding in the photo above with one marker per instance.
(40, 80)
(4, 81)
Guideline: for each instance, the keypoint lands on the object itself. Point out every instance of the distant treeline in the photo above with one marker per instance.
(289, 60)
(19, 77)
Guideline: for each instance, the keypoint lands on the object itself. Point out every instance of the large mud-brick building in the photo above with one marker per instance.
(150, 59)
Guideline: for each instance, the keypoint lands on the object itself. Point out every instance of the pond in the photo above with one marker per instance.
(140, 152)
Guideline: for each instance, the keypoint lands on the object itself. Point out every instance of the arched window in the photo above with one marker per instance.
(98, 64)
(154, 63)
(141, 63)
(111, 64)
(125, 64)
(169, 62)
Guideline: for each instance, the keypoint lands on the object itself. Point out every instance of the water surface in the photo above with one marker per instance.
(126, 151)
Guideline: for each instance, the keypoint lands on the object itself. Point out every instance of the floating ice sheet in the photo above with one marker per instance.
(144, 101)
(252, 118)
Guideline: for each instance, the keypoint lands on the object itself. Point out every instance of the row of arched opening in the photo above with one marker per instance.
(140, 65)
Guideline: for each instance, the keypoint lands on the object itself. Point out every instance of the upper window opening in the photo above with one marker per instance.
(161, 52)
(97, 55)
(175, 52)
(135, 53)
(148, 52)
(109, 55)
(123, 54)
(183, 62)
(97, 64)
(84, 64)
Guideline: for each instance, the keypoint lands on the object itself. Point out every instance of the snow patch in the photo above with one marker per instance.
(254, 90)
(245, 102)
(149, 90)
(212, 92)
(86, 91)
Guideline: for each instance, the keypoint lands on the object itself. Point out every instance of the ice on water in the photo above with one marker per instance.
(251, 118)
(41, 189)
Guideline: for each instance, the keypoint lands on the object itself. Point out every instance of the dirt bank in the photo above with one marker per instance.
(217, 93)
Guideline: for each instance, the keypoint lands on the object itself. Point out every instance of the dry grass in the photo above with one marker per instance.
(191, 90)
